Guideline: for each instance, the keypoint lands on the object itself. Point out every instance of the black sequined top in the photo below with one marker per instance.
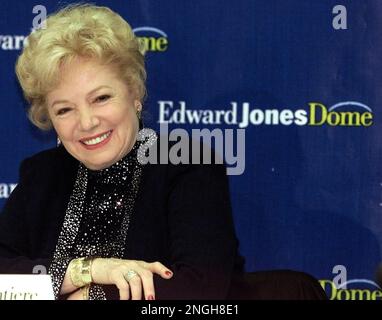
(98, 216)
(181, 217)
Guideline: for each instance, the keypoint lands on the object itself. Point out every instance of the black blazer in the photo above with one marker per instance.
(182, 218)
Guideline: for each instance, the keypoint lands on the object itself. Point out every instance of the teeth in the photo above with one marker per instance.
(96, 140)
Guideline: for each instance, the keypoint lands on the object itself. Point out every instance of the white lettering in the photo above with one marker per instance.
(256, 116)
(340, 20)
(230, 116)
(301, 117)
(244, 122)
(39, 21)
(180, 114)
(164, 110)
(6, 189)
(286, 117)
(218, 140)
(340, 279)
(155, 310)
(15, 42)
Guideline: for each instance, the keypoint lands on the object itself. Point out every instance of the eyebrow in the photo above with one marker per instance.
(88, 94)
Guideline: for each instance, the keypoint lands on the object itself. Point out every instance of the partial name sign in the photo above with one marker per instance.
(26, 287)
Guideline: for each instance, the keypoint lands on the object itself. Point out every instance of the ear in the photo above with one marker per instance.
(138, 105)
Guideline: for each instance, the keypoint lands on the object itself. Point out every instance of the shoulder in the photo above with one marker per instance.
(185, 159)
(48, 161)
(53, 157)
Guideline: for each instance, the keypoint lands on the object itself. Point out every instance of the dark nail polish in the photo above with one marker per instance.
(150, 297)
(168, 273)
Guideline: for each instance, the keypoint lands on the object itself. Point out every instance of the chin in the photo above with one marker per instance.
(100, 166)
(97, 165)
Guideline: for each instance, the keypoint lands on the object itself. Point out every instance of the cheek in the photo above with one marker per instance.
(59, 129)
(63, 130)
(127, 121)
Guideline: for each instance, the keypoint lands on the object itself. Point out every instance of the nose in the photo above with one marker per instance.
(87, 119)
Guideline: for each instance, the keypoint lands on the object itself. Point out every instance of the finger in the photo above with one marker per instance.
(135, 284)
(122, 285)
(147, 279)
(160, 269)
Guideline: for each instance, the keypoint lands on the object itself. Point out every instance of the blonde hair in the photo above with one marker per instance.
(81, 30)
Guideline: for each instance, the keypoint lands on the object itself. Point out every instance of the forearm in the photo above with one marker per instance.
(67, 284)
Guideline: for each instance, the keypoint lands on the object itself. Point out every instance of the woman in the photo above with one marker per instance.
(88, 210)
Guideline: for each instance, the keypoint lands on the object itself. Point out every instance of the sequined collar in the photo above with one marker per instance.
(118, 172)
(117, 185)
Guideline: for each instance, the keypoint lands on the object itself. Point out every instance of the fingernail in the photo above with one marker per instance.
(168, 273)
(150, 297)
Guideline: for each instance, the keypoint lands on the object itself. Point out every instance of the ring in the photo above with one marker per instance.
(130, 274)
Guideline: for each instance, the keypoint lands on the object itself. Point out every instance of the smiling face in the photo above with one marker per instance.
(94, 113)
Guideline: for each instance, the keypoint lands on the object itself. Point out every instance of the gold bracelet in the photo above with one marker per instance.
(85, 292)
(80, 271)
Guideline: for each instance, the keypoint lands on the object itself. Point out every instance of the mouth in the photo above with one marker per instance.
(96, 141)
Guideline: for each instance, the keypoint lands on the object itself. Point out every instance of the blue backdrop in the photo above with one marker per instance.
(310, 196)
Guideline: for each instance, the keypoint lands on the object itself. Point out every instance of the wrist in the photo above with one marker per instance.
(80, 271)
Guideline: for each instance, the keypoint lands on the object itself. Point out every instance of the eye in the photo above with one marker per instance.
(63, 111)
(102, 98)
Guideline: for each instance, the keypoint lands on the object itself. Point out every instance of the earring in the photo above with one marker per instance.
(139, 114)
(58, 142)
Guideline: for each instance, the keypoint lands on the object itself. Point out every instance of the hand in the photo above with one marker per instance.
(114, 271)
